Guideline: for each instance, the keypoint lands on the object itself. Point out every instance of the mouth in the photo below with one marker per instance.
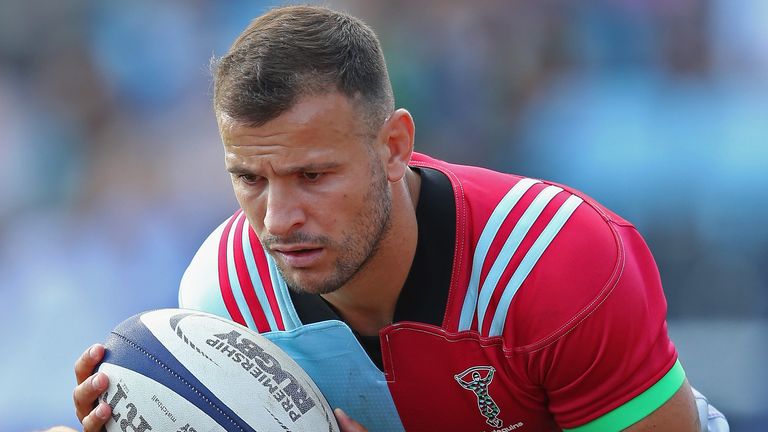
(299, 256)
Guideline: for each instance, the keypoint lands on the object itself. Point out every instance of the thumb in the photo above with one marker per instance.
(346, 423)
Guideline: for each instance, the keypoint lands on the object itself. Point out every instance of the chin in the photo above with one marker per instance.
(314, 281)
(312, 288)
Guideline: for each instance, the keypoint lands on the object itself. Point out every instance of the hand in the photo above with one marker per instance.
(89, 387)
(59, 429)
(346, 424)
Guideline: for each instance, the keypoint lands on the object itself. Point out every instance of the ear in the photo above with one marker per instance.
(397, 135)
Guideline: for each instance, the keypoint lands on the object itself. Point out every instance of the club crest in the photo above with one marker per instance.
(477, 379)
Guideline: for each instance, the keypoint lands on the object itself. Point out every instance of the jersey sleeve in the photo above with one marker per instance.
(596, 332)
(231, 276)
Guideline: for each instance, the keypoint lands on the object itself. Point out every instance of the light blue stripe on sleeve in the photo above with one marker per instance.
(531, 258)
(287, 311)
(498, 216)
(234, 282)
(517, 235)
(258, 287)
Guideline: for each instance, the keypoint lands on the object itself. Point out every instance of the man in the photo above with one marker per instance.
(392, 276)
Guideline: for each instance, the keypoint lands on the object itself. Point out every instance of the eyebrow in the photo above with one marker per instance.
(311, 167)
(238, 170)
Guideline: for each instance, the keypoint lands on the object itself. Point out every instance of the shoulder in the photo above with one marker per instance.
(537, 256)
(597, 267)
(540, 257)
(580, 266)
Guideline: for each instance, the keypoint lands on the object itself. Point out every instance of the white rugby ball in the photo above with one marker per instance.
(177, 370)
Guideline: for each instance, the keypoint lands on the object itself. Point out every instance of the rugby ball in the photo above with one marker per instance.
(177, 370)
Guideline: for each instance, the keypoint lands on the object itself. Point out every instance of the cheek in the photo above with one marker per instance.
(240, 194)
(331, 211)
(253, 209)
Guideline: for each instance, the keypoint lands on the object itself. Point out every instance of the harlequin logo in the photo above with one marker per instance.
(477, 379)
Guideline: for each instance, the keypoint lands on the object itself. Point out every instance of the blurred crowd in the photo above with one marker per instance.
(111, 172)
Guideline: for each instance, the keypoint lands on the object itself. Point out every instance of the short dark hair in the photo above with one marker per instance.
(295, 51)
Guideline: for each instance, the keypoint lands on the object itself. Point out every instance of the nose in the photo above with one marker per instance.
(284, 211)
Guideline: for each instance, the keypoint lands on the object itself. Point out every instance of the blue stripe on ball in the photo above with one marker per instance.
(158, 364)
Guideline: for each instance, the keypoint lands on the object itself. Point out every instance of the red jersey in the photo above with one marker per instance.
(557, 296)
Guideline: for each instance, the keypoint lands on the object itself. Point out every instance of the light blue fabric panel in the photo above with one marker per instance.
(330, 354)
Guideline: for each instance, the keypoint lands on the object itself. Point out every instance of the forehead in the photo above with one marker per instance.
(315, 118)
(318, 131)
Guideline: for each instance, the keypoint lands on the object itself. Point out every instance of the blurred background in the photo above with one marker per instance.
(111, 172)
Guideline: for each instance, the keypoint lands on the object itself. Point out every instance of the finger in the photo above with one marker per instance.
(346, 423)
(94, 421)
(87, 393)
(87, 362)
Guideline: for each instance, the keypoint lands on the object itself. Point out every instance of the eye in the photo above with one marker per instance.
(249, 179)
(311, 176)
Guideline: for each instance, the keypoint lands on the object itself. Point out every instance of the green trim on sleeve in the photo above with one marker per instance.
(639, 407)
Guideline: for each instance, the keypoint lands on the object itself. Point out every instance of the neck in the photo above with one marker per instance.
(367, 302)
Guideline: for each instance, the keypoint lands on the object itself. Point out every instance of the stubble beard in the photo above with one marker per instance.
(360, 244)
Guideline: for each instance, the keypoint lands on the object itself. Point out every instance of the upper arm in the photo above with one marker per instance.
(609, 362)
(678, 414)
